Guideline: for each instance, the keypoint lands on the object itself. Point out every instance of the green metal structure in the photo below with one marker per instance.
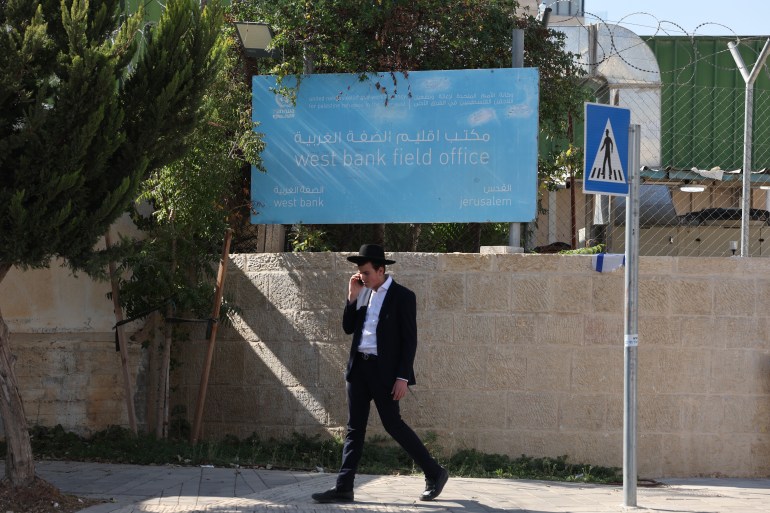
(702, 102)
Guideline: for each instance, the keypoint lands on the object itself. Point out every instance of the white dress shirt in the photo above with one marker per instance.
(368, 342)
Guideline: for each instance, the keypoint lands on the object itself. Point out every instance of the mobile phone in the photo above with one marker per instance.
(360, 281)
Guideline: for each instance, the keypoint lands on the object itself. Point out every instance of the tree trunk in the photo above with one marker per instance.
(475, 229)
(128, 385)
(161, 426)
(378, 234)
(19, 463)
(573, 217)
(161, 399)
(572, 214)
(415, 231)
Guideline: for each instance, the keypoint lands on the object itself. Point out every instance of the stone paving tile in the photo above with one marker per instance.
(248, 482)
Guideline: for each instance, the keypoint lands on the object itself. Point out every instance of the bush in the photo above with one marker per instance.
(381, 455)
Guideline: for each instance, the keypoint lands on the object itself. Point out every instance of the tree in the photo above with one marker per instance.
(194, 200)
(86, 111)
(399, 36)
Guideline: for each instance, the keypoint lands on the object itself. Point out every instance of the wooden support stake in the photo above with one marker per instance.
(195, 434)
(121, 334)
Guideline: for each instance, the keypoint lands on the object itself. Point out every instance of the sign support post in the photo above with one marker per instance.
(612, 157)
(517, 61)
(631, 333)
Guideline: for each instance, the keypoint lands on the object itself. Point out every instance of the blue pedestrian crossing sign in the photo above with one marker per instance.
(605, 169)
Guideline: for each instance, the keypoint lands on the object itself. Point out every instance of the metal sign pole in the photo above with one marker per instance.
(631, 338)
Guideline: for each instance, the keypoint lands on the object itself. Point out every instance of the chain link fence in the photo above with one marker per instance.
(691, 114)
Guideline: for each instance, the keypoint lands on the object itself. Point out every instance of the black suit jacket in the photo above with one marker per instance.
(396, 334)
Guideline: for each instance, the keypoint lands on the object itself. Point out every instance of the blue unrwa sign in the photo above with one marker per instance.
(438, 146)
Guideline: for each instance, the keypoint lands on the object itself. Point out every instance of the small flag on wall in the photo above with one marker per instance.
(608, 262)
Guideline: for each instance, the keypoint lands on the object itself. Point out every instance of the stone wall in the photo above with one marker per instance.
(519, 354)
(61, 333)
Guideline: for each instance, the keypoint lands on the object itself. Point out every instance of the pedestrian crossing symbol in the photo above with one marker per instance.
(606, 155)
(607, 166)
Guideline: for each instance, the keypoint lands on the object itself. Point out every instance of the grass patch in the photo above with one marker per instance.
(471, 463)
(381, 455)
(592, 250)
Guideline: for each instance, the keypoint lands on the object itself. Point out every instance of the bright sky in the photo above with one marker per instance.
(724, 17)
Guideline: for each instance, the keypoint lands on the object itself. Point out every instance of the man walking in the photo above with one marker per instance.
(382, 317)
(608, 147)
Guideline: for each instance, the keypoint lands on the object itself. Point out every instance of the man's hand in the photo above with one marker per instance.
(354, 287)
(400, 387)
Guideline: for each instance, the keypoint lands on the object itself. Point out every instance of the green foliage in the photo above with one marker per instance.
(472, 463)
(194, 200)
(557, 168)
(307, 238)
(120, 445)
(437, 237)
(86, 112)
(91, 102)
(593, 250)
(387, 35)
(381, 456)
(460, 237)
(391, 35)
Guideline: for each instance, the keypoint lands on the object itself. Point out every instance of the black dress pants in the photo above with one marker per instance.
(364, 386)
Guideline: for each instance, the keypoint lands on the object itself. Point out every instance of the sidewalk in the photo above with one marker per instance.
(170, 489)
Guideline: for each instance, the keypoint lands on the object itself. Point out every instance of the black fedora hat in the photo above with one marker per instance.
(371, 253)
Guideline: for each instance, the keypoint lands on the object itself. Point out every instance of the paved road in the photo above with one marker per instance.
(170, 489)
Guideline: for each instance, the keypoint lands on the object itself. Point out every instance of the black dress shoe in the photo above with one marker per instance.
(433, 487)
(333, 495)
